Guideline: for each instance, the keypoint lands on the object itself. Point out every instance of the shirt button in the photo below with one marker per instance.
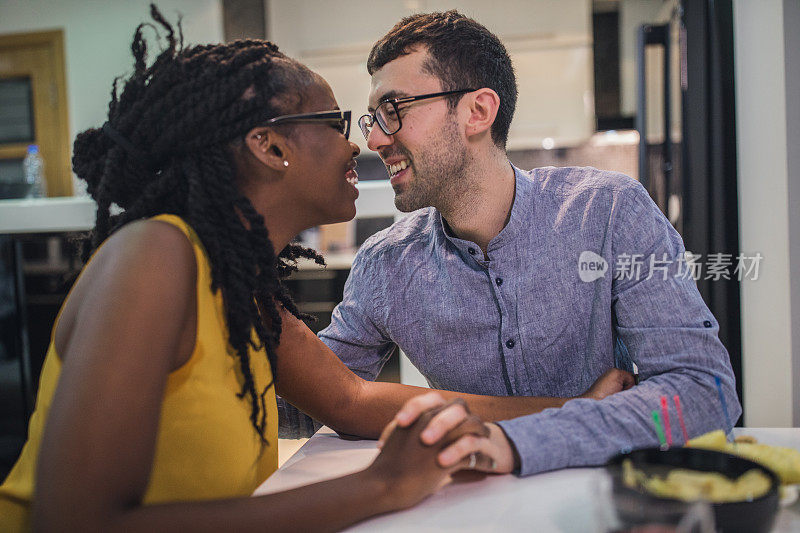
(471, 251)
(499, 281)
(707, 323)
(510, 343)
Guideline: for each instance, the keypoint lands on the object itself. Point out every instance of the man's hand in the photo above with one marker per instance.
(613, 381)
(494, 454)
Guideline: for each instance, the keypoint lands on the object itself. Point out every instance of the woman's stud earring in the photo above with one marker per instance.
(285, 163)
(258, 136)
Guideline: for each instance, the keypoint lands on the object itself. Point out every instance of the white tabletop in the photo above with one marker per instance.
(566, 500)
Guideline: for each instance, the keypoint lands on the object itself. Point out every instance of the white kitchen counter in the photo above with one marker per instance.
(66, 214)
(77, 213)
(47, 215)
(565, 500)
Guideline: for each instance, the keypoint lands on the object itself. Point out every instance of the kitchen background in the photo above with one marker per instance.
(590, 74)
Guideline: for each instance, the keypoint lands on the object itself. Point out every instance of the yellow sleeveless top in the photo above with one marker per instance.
(206, 448)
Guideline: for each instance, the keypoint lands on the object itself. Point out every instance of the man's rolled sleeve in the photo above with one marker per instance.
(671, 336)
(356, 334)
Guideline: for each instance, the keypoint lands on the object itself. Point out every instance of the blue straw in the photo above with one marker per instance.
(722, 401)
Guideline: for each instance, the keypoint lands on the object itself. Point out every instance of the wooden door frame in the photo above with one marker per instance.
(53, 40)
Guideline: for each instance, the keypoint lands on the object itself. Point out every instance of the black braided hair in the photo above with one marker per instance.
(168, 148)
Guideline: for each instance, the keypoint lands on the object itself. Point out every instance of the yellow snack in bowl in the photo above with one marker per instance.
(713, 440)
(692, 485)
(785, 462)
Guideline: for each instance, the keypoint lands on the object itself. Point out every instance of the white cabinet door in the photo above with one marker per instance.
(555, 106)
(555, 81)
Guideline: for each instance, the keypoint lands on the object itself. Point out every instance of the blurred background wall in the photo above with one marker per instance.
(97, 38)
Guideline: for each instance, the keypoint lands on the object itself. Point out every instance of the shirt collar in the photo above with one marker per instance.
(520, 217)
(522, 191)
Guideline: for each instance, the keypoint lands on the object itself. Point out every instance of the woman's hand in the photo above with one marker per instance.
(613, 381)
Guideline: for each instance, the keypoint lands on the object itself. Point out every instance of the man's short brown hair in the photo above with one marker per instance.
(463, 54)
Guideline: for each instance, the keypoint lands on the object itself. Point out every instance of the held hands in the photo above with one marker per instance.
(408, 469)
(443, 425)
(429, 439)
(613, 381)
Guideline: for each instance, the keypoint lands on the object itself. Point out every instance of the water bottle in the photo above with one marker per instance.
(33, 167)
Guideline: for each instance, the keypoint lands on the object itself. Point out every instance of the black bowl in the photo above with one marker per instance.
(635, 507)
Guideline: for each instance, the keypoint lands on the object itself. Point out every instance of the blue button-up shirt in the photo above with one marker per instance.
(586, 275)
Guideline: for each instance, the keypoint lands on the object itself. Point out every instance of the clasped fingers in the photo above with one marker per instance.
(413, 408)
(437, 417)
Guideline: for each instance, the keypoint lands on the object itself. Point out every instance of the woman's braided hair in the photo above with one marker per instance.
(168, 148)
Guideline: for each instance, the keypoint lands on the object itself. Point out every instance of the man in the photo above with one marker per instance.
(481, 286)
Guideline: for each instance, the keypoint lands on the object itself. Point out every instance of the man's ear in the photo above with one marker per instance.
(269, 147)
(483, 106)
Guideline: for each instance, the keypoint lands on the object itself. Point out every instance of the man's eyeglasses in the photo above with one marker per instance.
(339, 120)
(387, 115)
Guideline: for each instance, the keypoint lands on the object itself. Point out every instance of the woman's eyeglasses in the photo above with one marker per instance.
(339, 120)
(387, 115)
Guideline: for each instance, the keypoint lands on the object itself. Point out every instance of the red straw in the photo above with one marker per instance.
(680, 418)
(667, 429)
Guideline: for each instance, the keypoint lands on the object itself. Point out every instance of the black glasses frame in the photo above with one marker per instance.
(366, 122)
(343, 118)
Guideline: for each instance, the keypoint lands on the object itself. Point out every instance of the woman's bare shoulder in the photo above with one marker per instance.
(141, 253)
(147, 261)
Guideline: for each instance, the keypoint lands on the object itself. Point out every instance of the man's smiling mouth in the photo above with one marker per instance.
(397, 167)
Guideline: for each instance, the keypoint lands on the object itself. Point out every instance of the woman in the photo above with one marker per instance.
(156, 408)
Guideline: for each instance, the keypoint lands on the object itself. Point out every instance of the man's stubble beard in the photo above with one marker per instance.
(439, 171)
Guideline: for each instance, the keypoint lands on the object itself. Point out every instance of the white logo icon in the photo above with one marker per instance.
(591, 266)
